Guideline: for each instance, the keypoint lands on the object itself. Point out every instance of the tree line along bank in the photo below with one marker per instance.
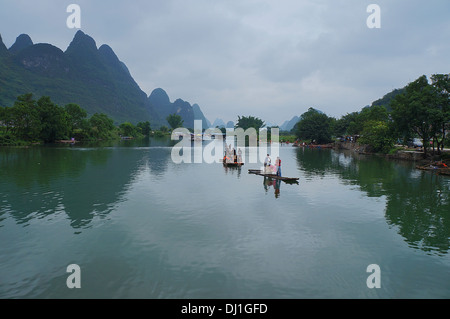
(420, 110)
(31, 121)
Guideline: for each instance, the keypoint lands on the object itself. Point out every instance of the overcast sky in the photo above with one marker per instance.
(270, 59)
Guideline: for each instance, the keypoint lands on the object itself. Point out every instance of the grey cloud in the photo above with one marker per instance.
(271, 59)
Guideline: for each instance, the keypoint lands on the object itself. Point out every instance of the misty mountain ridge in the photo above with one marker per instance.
(289, 124)
(92, 77)
(160, 101)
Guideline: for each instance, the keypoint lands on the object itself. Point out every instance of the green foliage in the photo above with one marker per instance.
(423, 110)
(441, 82)
(101, 126)
(145, 128)
(92, 78)
(354, 123)
(246, 122)
(33, 121)
(128, 130)
(25, 118)
(6, 119)
(314, 126)
(287, 138)
(54, 123)
(386, 100)
(175, 121)
(344, 125)
(75, 117)
(377, 134)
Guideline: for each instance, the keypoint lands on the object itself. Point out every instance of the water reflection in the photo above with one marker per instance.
(269, 183)
(233, 170)
(158, 152)
(417, 202)
(82, 182)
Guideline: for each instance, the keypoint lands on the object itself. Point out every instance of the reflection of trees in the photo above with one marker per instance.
(417, 202)
(314, 162)
(82, 182)
(420, 208)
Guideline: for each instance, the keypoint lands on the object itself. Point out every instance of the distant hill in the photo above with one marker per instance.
(386, 100)
(270, 124)
(160, 101)
(198, 115)
(289, 125)
(219, 123)
(3, 50)
(92, 77)
(23, 41)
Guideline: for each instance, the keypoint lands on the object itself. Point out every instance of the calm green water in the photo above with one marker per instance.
(140, 226)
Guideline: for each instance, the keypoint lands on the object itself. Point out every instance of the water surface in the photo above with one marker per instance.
(141, 226)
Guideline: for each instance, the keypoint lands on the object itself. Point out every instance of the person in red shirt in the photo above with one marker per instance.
(278, 165)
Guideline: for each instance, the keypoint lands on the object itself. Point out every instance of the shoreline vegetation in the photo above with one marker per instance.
(439, 164)
(412, 123)
(29, 122)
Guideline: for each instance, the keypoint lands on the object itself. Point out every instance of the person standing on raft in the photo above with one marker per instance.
(278, 166)
(267, 162)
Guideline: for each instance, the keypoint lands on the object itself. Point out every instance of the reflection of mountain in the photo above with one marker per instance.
(158, 159)
(81, 182)
(157, 152)
(417, 202)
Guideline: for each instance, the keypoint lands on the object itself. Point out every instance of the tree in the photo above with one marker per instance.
(345, 125)
(354, 123)
(101, 125)
(6, 118)
(246, 122)
(145, 128)
(378, 135)
(441, 82)
(417, 111)
(53, 119)
(175, 121)
(25, 118)
(75, 118)
(314, 126)
(127, 129)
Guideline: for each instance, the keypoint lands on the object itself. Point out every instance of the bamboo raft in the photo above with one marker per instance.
(233, 164)
(273, 176)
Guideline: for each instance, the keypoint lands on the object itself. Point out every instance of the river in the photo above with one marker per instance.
(141, 226)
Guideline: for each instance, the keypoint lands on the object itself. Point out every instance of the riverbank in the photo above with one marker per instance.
(439, 164)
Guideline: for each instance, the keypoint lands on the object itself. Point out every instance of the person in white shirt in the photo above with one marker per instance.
(267, 162)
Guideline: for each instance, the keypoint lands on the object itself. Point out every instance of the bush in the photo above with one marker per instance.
(378, 136)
